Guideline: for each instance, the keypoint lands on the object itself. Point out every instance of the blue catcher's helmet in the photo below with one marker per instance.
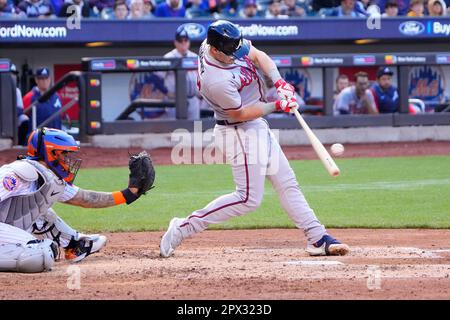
(55, 147)
(227, 38)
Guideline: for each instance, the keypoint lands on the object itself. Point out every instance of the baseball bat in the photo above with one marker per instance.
(320, 150)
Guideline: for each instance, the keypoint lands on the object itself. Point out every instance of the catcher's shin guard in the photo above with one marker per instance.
(54, 228)
(36, 256)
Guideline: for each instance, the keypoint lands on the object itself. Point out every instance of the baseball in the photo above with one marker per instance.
(337, 149)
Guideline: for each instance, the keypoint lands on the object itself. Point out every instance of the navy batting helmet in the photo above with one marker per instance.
(227, 38)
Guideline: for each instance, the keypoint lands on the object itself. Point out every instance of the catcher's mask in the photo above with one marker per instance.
(56, 148)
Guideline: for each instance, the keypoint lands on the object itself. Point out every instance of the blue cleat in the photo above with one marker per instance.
(327, 246)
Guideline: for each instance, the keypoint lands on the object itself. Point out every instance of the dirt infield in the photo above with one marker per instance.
(251, 264)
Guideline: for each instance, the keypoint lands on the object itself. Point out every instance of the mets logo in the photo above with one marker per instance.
(427, 83)
(9, 182)
(147, 85)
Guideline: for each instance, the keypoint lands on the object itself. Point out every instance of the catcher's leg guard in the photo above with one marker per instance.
(76, 246)
(36, 256)
(50, 226)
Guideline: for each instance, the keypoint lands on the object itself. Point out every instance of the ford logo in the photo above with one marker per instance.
(194, 30)
(411, 28)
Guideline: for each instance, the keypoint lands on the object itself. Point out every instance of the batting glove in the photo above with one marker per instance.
(284, 89)
(286, 105)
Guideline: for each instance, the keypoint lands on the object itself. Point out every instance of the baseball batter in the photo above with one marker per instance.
(30, 230)
(229, 79)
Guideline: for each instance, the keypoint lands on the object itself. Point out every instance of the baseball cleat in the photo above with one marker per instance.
(77, 250)
(171, 239)
(328, 246)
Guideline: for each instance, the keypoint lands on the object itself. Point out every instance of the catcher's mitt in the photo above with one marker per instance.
(142, 172)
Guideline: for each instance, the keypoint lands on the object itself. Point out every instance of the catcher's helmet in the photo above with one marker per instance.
(227, 38)
(54, 147)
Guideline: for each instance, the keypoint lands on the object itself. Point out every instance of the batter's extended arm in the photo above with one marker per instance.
(268, 67)
(264, 63)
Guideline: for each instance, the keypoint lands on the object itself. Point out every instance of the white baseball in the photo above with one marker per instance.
(337, 149)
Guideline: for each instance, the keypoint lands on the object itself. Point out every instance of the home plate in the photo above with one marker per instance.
(315, 262)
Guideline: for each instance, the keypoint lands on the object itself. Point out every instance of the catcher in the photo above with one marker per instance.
(31, 233)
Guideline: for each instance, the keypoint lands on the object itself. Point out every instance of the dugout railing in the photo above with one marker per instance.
(88, 90)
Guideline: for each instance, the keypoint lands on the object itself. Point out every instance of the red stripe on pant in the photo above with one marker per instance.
(233, 203)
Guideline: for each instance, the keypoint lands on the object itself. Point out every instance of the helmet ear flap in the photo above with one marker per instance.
(41, 133)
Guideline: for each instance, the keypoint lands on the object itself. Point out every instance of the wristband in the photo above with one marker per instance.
(129, 196)
(118, 197)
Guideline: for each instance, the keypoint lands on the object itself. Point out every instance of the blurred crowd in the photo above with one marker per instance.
(272, 9)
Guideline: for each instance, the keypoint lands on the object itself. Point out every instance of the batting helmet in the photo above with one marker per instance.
(54, 147)
(227, 38)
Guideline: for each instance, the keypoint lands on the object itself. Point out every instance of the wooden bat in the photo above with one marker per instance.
(320, 150)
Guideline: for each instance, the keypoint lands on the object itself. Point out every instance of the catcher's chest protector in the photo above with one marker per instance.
(22, 211)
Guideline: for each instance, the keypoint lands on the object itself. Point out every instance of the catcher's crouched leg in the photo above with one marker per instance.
(77, 246)
(51, 226)
(36, 256)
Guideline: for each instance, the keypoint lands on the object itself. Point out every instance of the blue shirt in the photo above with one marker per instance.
(164, 10)
(34, 10)
(386, 100)
(45, 109)
(403, 6)
(7, 11)
(339, 12)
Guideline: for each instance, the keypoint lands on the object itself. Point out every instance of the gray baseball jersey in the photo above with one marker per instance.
(191, 76)
(347, 102)
(228, 86)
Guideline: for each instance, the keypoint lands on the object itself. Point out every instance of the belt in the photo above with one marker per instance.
(227, 123)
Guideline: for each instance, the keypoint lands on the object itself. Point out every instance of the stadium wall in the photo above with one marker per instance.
(286, 137)
(5, 144)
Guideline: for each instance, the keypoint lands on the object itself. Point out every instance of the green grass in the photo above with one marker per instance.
(370, 193)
